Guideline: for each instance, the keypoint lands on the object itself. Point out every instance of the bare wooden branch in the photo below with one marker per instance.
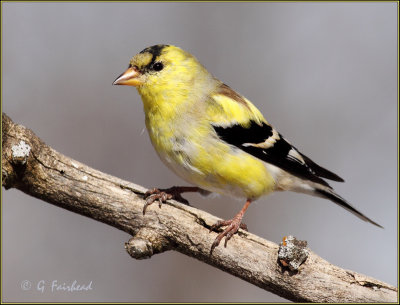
(31, 166)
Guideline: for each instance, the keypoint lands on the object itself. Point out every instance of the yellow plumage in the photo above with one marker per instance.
(215, 138)
(179, 124)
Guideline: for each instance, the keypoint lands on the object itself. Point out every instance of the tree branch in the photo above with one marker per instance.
(31, 166)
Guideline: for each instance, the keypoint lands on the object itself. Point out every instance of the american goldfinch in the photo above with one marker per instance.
(215, 138)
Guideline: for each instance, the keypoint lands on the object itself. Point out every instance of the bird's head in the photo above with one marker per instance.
(163, 70)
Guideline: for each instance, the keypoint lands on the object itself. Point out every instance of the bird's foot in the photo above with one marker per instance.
(162, 195)
(233, 226)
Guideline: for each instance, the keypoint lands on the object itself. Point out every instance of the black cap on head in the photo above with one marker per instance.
(155, 50)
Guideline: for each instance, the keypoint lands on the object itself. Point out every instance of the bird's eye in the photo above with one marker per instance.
(158, 66)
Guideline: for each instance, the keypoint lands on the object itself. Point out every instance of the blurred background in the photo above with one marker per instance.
(324, 74)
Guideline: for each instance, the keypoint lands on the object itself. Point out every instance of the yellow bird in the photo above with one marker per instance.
(215, 138)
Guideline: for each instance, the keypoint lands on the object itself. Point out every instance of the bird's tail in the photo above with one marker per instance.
(331, 195)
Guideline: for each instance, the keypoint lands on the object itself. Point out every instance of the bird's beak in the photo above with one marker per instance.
(131, 77)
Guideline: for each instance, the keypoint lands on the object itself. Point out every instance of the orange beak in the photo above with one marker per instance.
(131, 77)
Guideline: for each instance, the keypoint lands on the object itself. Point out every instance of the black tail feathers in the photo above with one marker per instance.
(330, 194)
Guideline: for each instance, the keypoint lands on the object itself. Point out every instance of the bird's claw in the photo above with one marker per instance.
(233, 226)
(162, 195)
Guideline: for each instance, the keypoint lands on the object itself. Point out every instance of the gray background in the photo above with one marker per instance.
(325, 75)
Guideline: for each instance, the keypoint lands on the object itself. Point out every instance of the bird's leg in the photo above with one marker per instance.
(233, 226)
(162, 195)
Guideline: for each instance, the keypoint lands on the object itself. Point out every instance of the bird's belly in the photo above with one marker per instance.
(214, 165)
(231, 171)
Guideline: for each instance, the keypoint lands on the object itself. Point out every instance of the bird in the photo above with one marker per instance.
(216, 139)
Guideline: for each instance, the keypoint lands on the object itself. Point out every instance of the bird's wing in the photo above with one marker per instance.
(250, 132)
